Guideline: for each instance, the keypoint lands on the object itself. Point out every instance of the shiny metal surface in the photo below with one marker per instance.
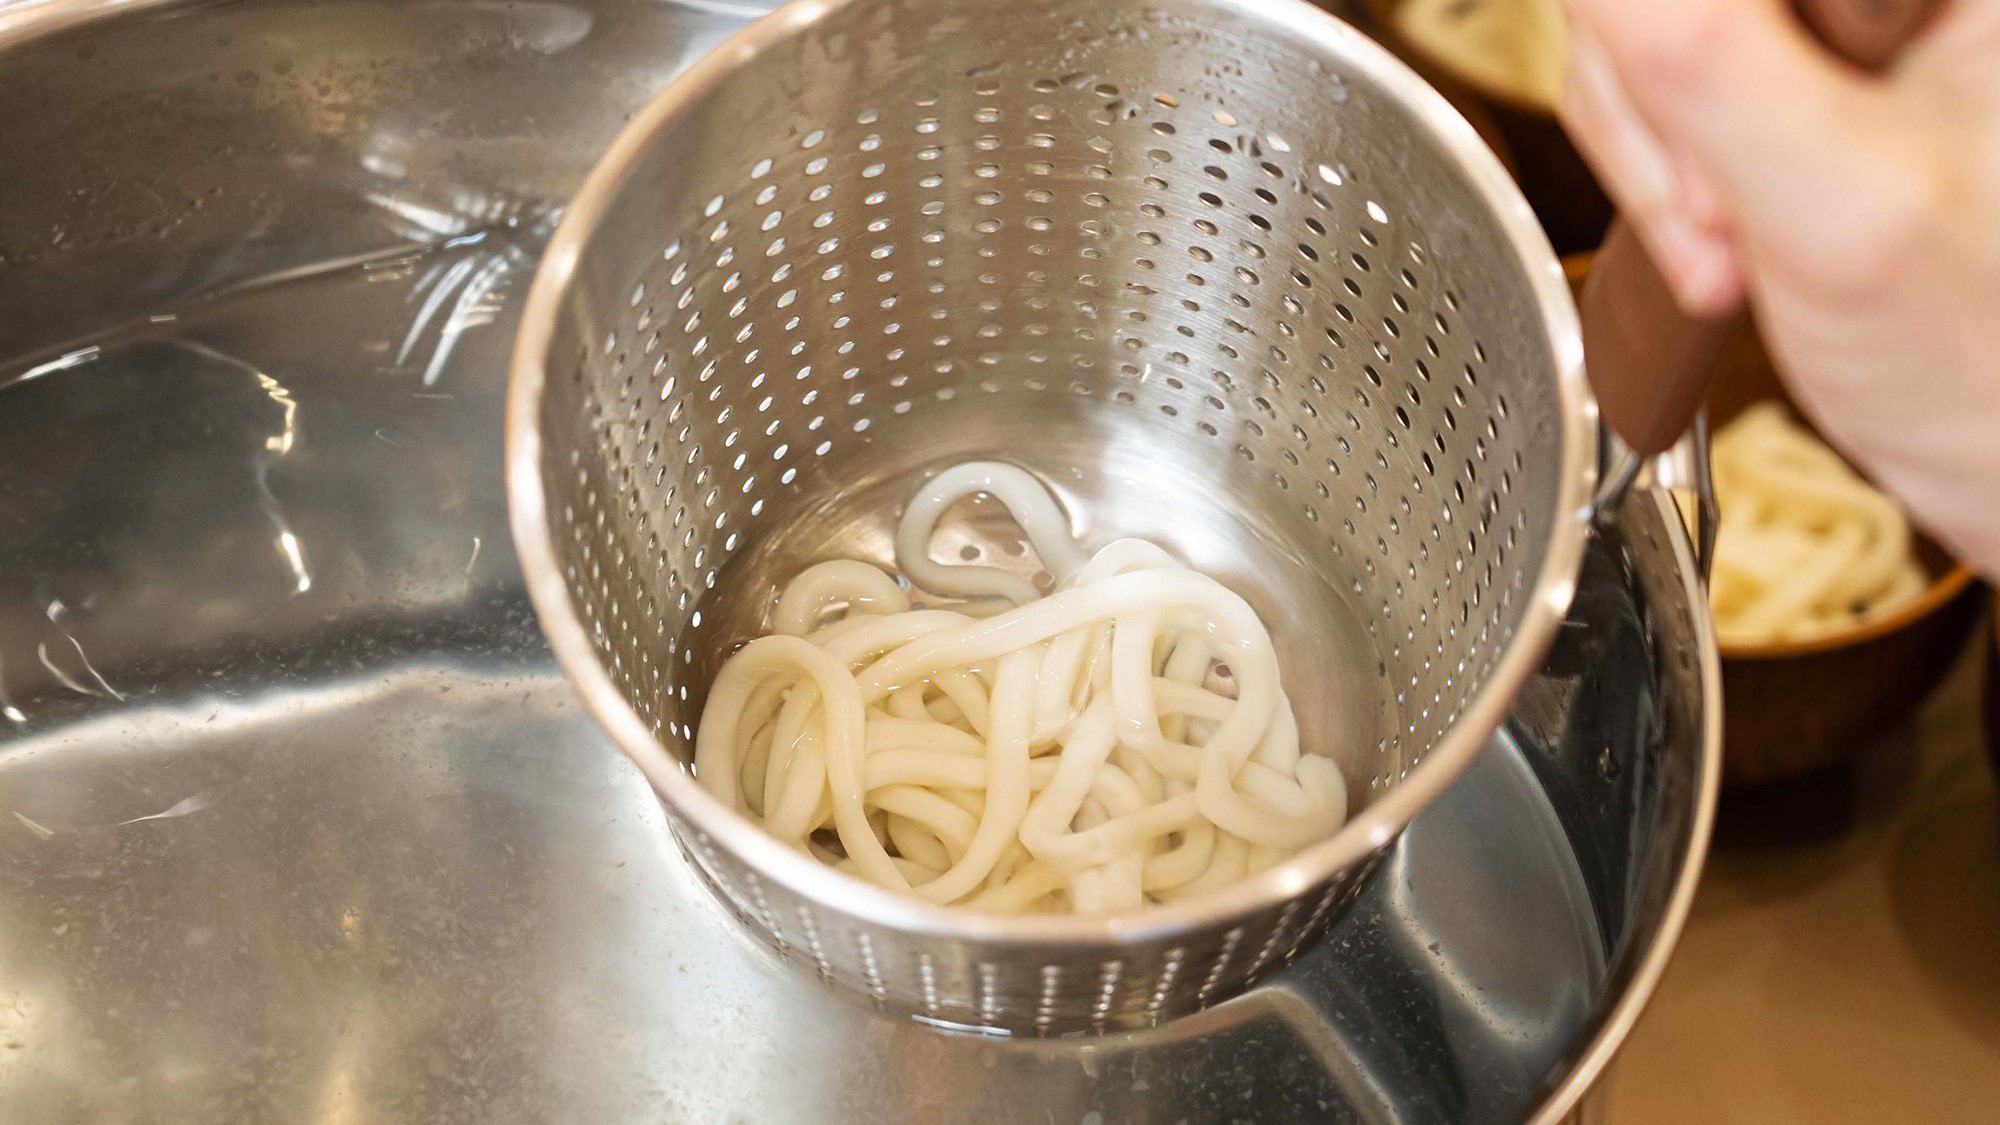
(1228, 274)
(298, 819)
(1682, 470)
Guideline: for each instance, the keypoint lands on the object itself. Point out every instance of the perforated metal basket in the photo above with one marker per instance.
(1224, 273)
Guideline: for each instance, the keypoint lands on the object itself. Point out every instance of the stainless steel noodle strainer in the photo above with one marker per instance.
(1222, 272)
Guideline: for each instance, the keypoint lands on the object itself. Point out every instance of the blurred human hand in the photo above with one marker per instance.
(1860, 213)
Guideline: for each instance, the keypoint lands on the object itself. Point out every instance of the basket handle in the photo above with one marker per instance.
(1649, 362)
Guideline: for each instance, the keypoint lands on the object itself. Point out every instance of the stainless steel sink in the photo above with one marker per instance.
(299, 822)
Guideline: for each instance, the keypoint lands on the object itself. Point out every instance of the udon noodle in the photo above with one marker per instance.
(1806, 548)
(1123, 739)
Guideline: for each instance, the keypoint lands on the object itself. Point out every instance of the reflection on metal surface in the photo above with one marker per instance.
(63, 678)
(182, 807)
(469, 291)
(281, 442)
(275, 446)
(353, 853)
(12, 713)
(278, 445)
(55, 612)
(41, 831)
(63, 362)
(289, 544)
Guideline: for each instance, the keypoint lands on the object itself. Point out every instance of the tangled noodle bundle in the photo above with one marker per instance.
(1124, 739)
(1806, 548)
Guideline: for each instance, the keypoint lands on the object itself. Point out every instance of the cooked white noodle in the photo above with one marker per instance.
(1026, 499)
(1806, 548)
(1124, 739)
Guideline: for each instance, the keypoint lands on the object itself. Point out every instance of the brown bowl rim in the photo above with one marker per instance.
(1941, 592)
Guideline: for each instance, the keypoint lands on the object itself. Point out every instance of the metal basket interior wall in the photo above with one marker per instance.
(1189, 222)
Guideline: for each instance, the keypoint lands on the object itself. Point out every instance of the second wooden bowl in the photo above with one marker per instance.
(1797, 707)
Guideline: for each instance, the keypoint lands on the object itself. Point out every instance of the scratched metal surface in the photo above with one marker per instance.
(297, 819)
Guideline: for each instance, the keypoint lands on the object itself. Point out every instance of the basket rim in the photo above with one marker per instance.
(1372, 829)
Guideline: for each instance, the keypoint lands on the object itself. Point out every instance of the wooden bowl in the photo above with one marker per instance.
(1794, 708)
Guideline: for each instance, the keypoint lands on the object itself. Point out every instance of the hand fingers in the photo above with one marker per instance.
(1785, 140)
(1678, 214)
